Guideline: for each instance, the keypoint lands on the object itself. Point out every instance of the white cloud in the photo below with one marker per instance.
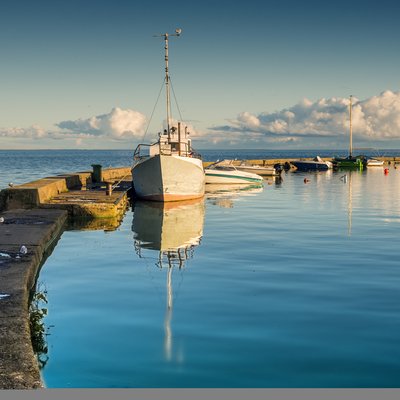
(317, 123)
(117, 124)
(375, 118)
(248, 119)
(33, 132)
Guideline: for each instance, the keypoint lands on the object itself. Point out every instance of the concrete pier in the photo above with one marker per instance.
(32, 218)
(36, 230)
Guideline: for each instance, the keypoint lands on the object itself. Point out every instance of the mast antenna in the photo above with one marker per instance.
(177, 33)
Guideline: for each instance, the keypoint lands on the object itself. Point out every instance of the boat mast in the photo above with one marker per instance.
(351, 128)
(167, 90)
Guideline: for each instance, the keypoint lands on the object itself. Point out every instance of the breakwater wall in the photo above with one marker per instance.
(25, 237)
(32, 218)
(36, 193)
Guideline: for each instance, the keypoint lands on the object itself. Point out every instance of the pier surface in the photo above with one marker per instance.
(32, 218)
(36, 230)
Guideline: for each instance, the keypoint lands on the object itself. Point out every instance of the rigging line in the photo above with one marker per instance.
(116, 184)
(176, 102)
(154, 108)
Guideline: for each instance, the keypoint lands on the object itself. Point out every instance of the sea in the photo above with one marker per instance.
(292, 284)
(21, 166)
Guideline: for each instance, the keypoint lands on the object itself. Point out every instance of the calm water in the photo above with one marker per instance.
(20, 166)
(293, 285)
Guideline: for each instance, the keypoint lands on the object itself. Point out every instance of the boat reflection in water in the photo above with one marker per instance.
(224, 195)
(173, 230)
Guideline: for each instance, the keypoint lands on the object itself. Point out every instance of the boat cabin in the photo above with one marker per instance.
(172, 143)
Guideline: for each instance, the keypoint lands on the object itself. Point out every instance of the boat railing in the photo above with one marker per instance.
(140, 149)
(194, 154)
(227, 165)
(144, 150)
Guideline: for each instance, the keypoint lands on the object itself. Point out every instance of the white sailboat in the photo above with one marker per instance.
(169, 169)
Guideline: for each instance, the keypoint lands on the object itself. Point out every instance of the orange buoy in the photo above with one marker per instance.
(386, 171)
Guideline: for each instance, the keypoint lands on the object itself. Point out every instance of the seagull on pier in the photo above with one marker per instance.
(23, 250)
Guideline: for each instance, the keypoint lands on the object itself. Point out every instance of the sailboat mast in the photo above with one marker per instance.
(351, 128)
(167, 89)
(167, 85)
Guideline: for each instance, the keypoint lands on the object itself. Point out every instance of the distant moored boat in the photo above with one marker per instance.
(350, 161)
(318, 164)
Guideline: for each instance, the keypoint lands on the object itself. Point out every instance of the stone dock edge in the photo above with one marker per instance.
(32, 219)
(37, 230)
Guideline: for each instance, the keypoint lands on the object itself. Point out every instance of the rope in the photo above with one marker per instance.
(116, 184)
(176, 102)
(154, 108)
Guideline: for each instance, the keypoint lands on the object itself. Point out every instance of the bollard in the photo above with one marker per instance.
(97, 175)
(108, 188)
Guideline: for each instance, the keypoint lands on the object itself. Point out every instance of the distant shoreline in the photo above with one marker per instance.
(360, 150)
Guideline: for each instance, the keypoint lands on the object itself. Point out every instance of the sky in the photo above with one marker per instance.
(247, 74)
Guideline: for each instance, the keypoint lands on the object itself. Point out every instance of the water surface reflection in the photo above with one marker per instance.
(224, 195)
(172, 231)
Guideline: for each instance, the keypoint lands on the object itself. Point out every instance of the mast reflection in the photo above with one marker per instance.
(173, 230)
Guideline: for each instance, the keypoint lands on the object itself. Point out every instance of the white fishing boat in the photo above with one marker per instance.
(224, 172)
(169, 169)
(262, 170)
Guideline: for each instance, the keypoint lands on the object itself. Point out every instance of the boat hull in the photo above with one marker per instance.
(224, 177)
(262, 171)
(374, 163)
(168, 178)
(310, 166)
(355, 163)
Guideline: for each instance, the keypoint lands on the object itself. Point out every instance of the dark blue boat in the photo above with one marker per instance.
(317, 164)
